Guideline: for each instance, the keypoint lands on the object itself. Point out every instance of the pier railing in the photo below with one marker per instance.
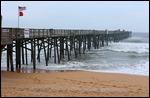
(6, 36)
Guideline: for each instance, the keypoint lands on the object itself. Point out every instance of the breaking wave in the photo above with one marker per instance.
(129, 47)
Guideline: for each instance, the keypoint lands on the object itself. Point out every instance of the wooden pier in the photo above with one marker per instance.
(61, 42)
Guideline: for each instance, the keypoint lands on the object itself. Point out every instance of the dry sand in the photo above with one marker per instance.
(73, 84)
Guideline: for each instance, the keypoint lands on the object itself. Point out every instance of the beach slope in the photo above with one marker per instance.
(73, 84)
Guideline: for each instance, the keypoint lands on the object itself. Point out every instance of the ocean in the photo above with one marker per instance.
(129, 56)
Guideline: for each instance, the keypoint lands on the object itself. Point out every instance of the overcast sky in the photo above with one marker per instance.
(98, 15)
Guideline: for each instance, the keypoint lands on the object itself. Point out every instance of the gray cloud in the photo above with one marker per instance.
(111, 15)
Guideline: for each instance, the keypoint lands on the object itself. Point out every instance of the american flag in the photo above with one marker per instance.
(22, 8)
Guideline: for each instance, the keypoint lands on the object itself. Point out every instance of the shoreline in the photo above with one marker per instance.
(31, 71)
(73, 84)
(37, 70)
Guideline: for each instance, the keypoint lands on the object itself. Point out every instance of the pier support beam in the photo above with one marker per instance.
(57, 51)
(67, 49)
(26, 52)
(10, 57)
(33, 48)
(89, 42)
(22, 52)
(18, 54)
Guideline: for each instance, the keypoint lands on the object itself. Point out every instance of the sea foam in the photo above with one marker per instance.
(129, 47)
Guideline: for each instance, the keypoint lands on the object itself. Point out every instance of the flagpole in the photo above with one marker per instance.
(18, 16)
(20, 13)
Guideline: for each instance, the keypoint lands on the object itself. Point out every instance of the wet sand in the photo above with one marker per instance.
(73, 84)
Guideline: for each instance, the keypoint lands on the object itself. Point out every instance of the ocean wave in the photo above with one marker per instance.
(129, 47)
(141, 68)
(134, 40)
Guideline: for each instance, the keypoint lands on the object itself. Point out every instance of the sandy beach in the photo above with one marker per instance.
(73, 84)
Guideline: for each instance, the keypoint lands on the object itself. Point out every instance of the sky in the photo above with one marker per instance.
(99, 15)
